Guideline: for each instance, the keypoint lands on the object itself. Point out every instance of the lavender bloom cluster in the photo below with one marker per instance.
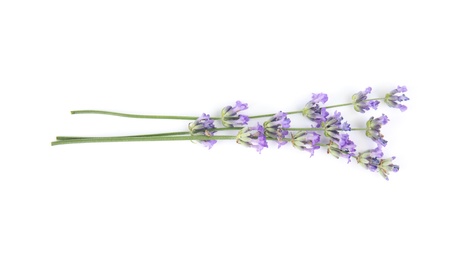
(327, 129)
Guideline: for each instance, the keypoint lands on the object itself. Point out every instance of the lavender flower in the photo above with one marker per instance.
(306, 141)
(373, 129)
(386, 166)
(344, 148)
(391, 99)
(360, 102)
(230, 116)
(370, 159)
(313, 111)
(333, 125)
(203, 126)
(275, 127)
(252, 137)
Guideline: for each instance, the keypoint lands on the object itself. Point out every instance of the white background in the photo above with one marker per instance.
(178, 200)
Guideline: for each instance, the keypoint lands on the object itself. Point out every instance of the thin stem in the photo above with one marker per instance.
(304, 129)
(101, 112)
(59, 138)
(268, 115)
(340, 105)
(142, 139)
(147, 135)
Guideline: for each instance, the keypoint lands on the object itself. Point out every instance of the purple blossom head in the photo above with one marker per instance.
(230, 116)
(253, 136)
(344, 148)
(360, 102)
(276, 126)
(370, 159)
(373, 129)
(393, 100)
(386, 166)
(204, 125)
(306, 141)
(333, 125)
(314, 111)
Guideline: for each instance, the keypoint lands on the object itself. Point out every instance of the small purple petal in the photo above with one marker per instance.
(240, 106)
(373, 104)
(208, 143)
(368, 90)
(401, 89)
(402, 108)
(319, 98)
(346, 127)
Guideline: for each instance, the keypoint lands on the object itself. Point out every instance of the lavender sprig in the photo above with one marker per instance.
(230, 116)
(393, 100)
(277, 127)
(203, 126)
(373, 129)
(361, 103)
(306, 141)
(253, 136)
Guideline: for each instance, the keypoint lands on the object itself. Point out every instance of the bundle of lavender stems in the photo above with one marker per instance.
(328, 130)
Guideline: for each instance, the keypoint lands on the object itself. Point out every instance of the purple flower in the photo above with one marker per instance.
(392, 100)
(373, 129)
(333, 125)
(344, 148)
(370, 159)
(361, 104)
(204, 125)
(252, 137)
(230, 116)
(386, 166)
(275, 127)
(306, 141)
(313, 111)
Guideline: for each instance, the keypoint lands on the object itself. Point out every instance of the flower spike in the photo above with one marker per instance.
(306, 141)
(373, 129)
(370, 159)
(333, 125)
(344, 148)
(360, 102)
(252, 136)
(276, 126)
(314, 111)
(230, 116)
(392, 100)
(203, 126)
(386, 166)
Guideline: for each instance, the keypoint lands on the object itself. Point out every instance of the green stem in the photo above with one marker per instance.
(134, 115)
(340, 105)
(142, 139)
(146, 135)
(304, 129)
(61, 138)
(268, 115)
(191, 117)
